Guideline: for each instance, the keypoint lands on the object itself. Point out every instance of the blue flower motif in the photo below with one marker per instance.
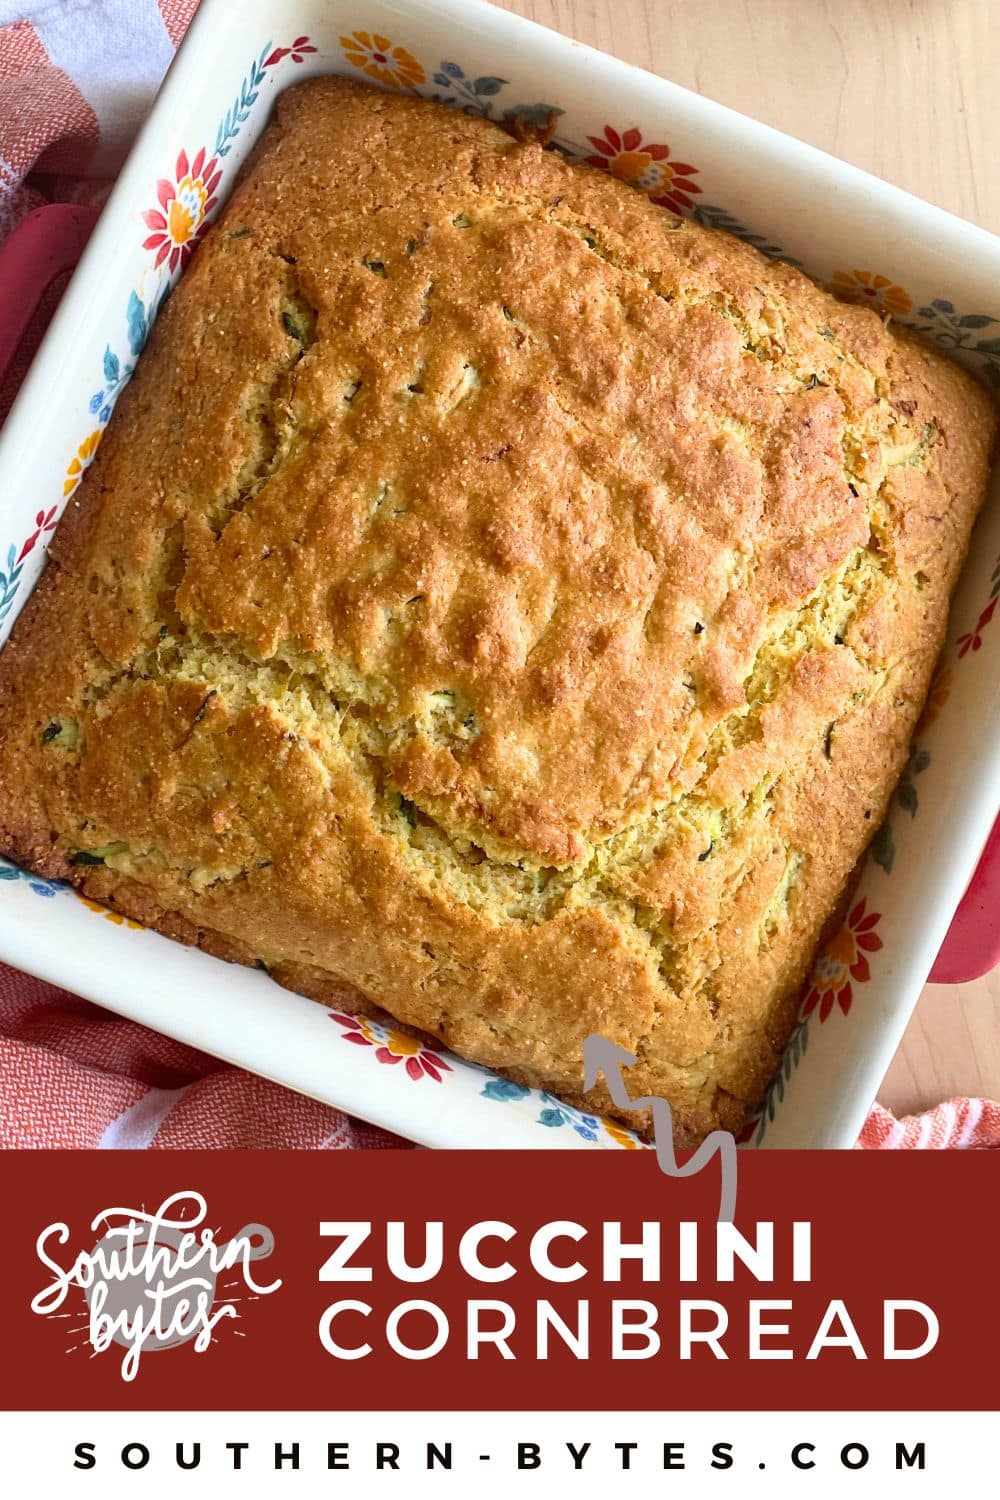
(557, 1113)
(95, 401)
(452, 69)
(554, 1113)
(36, 883)
(502, 1090)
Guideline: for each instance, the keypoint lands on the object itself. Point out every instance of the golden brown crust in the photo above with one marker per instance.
(495, 601)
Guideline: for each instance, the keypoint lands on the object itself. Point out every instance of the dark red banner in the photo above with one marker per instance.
(569, 1301)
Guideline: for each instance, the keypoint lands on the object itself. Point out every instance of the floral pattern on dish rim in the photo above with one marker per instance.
(421, 1058)
(189, 207)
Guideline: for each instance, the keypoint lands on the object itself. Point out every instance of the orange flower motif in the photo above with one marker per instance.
(375, 55)
(646, 166)
(81, 463)
(938, 696)
(393, 1046)
(627, 1139)
(843, 960)
(109, 916)
(865, 289)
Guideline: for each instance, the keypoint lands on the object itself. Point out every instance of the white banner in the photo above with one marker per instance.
(442, 1454)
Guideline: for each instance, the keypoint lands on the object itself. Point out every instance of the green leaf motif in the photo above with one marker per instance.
(534, 114)
(883, 849)
(489, 85)
(710, 216)
(135, 318)
(907, 795)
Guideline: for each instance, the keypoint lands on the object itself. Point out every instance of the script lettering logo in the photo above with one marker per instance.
(151, 1281)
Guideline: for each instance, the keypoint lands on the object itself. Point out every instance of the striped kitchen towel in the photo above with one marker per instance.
(73, 1075)
(955, 1125)
(76, 79)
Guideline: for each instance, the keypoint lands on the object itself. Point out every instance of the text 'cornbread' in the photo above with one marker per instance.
(495, 602)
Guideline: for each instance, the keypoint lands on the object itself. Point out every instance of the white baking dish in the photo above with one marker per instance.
(840, 224)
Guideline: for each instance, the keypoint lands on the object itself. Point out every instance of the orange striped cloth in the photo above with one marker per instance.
(76, 79)
(72, 1074)
(955, 1125)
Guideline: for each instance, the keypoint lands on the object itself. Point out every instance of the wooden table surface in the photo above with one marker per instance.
(906, 89)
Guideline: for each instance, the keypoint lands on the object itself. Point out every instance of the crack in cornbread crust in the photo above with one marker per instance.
(497, 602)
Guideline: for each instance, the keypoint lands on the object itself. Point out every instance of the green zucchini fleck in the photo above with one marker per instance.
(292, 328)
(97, 856)
(407, 810)
(203, 710)
(63, 734)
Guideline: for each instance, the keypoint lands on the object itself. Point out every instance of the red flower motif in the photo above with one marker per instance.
(300, 46)
(843, 960)
(646, 166)
(973, 639)
(391, 1046)
(185, 204)
(45, 520)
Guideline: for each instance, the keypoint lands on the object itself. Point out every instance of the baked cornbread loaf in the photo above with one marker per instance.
(495, 602)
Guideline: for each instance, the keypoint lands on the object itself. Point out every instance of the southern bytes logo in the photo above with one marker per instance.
(153, 1281)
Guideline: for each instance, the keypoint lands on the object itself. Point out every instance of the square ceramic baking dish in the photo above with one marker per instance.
(874, 243)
